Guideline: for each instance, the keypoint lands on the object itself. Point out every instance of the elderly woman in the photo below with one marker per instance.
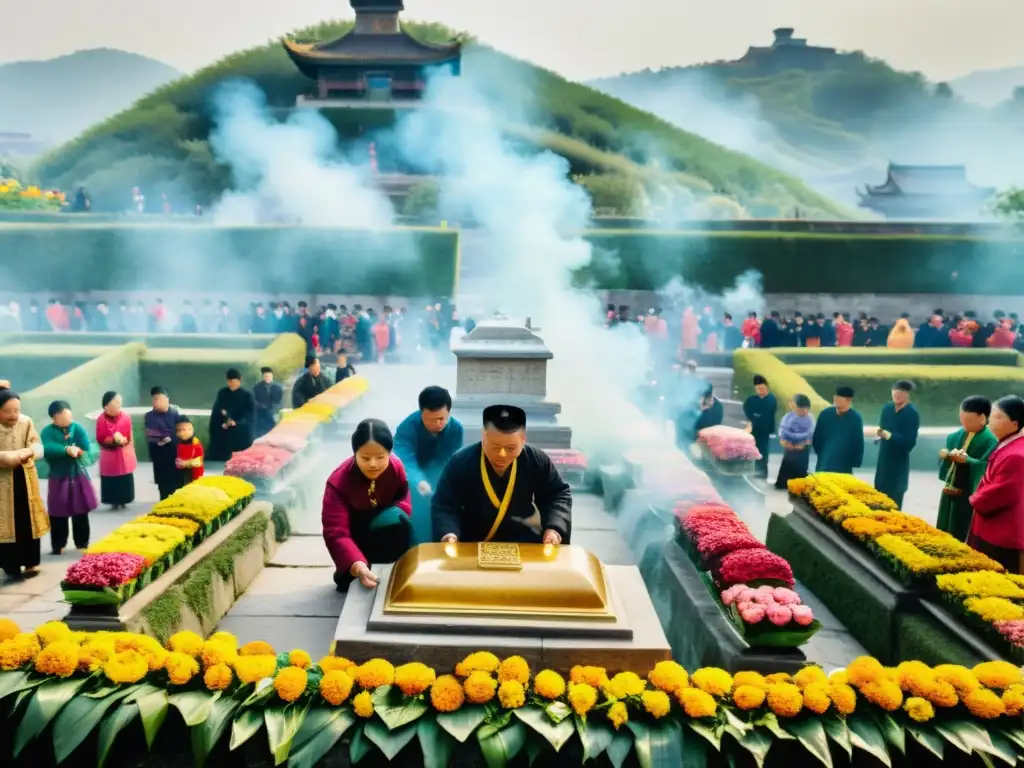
(997, 529)
(117, 453)
(23, 518)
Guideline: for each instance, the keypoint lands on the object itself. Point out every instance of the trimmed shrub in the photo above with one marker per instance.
(921, 638)
(939, 389)
(116, 369)
(303, 260)
(782, 379)
(43, 339)
(285, 354)
(30, 366)
(883, 355)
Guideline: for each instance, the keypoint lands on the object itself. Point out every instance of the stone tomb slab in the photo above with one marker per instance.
(441, 644)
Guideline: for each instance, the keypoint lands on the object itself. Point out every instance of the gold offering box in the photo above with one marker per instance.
(500, 581)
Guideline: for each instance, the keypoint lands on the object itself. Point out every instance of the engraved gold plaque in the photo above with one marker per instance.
(550, 582)
(494, 556)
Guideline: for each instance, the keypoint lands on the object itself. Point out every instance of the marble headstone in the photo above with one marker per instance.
(502, 361)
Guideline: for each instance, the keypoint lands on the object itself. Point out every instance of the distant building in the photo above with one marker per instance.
(377, 63)
(926, 192)
(787, 52)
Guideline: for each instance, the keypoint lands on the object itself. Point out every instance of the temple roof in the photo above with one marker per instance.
(930, 180)
(361, 48)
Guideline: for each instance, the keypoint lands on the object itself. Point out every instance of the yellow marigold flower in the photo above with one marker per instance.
(257, 648)
(89, 660)
(864, 670)
(225, 638)
(657, 703)
(126, 667)
(181, 668)
(697, 703)
(514, 668)
(332, 663)
(252, 669)
(617, 714)
(375, 673)
(8, 630)
(214, 653)
(838, 676)
(481, 661)
(625, 684)
(997, 674)
(582, 698)
(150, 649)
(778, 677)
(19, 651)
(52, 632)
(549, 684)
(668, 676)
(362, 704)
(993, 609)
(596, 677)
(218, 677)
(747, 697)
(413, 679)
(511, 694)
(883, 693)
(961, 678)
(479, 687)
(920, 710)
(785, 699)
(915, 677)
(753, 679)
(809, 675)
(984, 703)
(290, 683)
(1013, 700)
(712, 680)
(59, 658)
(186, 642)
(446, 694)
(299, 658)
(942, 694)
(843, 697)
(335, 687)
(816, 697)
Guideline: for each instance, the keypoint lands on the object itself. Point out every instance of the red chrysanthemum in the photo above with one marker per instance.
(746, 565)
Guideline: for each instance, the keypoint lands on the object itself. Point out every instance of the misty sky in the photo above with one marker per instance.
(578, 38)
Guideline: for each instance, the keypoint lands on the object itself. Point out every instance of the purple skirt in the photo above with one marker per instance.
(70, 496)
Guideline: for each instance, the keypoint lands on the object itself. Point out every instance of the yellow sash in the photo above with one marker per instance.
(501, 506)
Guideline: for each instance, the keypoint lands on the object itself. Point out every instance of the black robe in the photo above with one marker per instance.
(892, 475)
(838, 441)
(307, 387)
(761, 412)
(240, 408)
(268, 398)
(460, 504)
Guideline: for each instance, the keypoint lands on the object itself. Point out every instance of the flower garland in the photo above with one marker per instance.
(729, 443)
(230, 691)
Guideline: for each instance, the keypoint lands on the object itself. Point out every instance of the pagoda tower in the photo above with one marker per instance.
(377, 63)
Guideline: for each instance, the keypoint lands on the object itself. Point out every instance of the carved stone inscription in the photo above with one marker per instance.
(502, 377)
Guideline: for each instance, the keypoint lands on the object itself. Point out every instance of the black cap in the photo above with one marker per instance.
(505, 418)
(759, 379)
(158, 391)
(844, 392)
(904, 386)
(310, 359)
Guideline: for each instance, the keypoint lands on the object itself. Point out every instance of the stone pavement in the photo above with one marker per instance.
(35, 601)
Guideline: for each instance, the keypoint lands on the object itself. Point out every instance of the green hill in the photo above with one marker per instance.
(58, 98)
(161, 143)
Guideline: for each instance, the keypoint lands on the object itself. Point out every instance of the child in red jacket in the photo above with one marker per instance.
(190, 451)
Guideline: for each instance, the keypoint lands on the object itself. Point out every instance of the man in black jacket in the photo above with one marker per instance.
(310, 384)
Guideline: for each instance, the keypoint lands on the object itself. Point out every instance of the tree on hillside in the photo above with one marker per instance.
(1010, 203)
(1018, 94)
(613, 195)
(943, 91)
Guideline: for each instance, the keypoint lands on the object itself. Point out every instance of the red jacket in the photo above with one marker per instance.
(1002, 338)
(751, 329)
(999, 501)
(844, 334)
(959, 337)
(191, 452)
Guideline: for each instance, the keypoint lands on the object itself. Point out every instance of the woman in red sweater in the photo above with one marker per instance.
(997, 528)
(366, 511)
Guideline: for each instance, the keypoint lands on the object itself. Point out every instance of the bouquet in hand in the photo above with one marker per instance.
(729, 443)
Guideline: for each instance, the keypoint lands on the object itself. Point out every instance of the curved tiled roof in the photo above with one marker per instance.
(356, 48)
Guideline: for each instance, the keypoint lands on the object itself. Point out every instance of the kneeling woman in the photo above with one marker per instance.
(366, 512)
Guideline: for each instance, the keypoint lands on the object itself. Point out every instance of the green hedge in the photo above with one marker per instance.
(922, 638)
(302, 260)
(83, 387)
(939, 389)
(782, 379)
(193, 376)
(28, 366)
(807, 263)
(883, 355)
(44, 339)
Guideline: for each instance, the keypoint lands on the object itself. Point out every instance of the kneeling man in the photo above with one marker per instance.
(492, 490)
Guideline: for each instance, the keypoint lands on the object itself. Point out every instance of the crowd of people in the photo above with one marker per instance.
(710, 331)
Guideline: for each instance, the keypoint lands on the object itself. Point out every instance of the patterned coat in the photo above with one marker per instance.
(13, 439)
